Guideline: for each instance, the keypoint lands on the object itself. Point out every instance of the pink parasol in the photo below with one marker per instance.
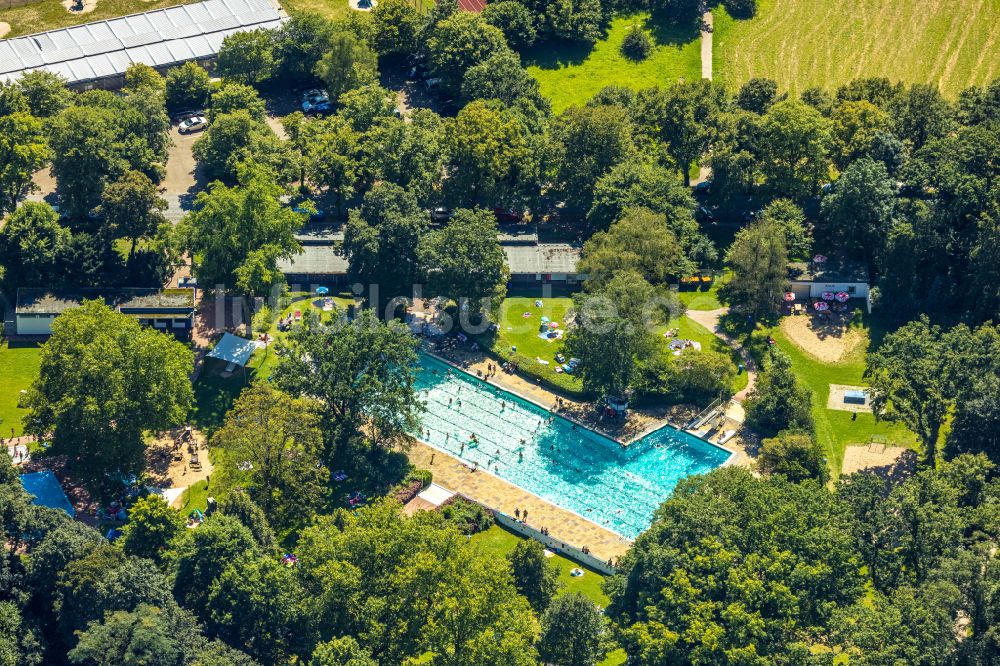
(819, 259)
(789, 296)
(827, 295)
(843, 296)
(553, 324)
(821, 306)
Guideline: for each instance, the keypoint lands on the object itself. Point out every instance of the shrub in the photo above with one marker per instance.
(637, 44)
(411, 485)
(467, 516)
(741, 9)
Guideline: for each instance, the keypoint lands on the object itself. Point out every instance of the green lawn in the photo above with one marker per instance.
(802, 43)
(214, 394)
(691, 330)
(703, 297)
(18, 369)
(570, 74)
(836, 429)
(195, 497)
(500, 542)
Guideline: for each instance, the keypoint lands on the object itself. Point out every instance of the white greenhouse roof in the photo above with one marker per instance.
(162, 37)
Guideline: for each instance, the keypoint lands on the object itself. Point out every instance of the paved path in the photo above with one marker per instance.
(710, 320)
(496, 493)
(706, 46)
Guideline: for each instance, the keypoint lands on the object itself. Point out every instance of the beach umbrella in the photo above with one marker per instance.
(819, 259)
(554, 324)
(322, 291)
(789, 296)
(843, 296)
(821, 306)
(827, 295)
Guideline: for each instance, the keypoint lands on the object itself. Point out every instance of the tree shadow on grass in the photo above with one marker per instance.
(666, 33)
(554, 54)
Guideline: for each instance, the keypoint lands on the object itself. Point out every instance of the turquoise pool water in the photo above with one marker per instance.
(572, 467)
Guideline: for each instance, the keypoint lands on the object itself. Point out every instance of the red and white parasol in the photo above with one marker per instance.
(821, 306)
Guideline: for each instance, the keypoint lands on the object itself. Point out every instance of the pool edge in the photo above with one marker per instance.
(623, 444)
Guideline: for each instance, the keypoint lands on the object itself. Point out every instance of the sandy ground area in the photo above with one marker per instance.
(88, 6)
(891, 462)
(4, 28)
(176, 462)
(829, 339)
(836, 399)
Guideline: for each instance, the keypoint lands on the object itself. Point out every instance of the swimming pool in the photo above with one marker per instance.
(572, 467)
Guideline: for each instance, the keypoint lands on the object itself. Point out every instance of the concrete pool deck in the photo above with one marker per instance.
(501, 495)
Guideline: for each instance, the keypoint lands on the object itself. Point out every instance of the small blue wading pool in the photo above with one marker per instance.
(571, 466)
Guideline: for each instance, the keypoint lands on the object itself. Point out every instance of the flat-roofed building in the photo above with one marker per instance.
(96, 55)
(168, 310)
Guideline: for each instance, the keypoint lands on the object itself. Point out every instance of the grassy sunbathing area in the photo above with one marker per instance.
(214, 393)
(522, 332)
(20, 365)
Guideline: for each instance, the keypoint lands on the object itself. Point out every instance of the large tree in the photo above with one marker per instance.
(758, 259)
(270, 445)
(683, 118)
(735, 570)
(459, 42)
(330, 157)
(464, 261)
(613, 331)
(778, 400)
(912, 375)
(350, 63)
(360, 371)
(187, 87)
(859, 210)
(247, 56)
(381, 241)
(574, 632)
(486, 155)
(794, 147)
(640, 242)
(131, 208)
(34, 245)
(23, 151)
(85, 156)
(104, 381)
(152, 526)
(232, 227)
(534, 576)
(587, 143)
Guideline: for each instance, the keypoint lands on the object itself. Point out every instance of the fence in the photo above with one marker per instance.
(555, 545)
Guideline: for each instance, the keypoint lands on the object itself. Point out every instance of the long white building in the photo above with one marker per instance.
(96, 55)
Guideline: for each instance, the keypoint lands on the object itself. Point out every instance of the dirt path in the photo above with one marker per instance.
(710, 320)
(706, 46)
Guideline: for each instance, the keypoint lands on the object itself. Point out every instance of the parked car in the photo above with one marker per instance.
(704, 187)
(440, 214)
(311, 99)
(184, 115)
(193, 124)
(507, 215)
(432, 84)
(703, 214)
(313, 212)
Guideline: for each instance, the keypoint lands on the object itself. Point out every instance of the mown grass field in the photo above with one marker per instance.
(18, 369)
(570, 74)
(803, 43)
